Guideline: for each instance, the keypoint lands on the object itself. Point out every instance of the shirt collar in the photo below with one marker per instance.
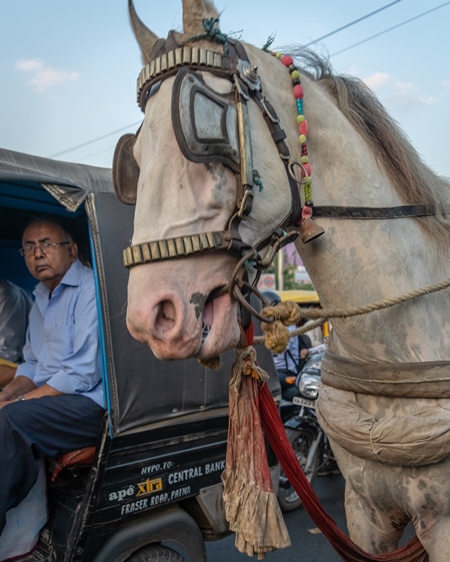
(72, 277)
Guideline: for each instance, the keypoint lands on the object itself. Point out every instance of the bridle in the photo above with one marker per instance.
(230, 144)
(234, 66)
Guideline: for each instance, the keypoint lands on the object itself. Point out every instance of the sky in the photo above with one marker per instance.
(69, 67)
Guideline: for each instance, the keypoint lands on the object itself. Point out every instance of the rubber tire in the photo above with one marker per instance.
(300, 441)
(155, 553)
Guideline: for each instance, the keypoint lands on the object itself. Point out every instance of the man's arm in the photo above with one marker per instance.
(44, 390)
(318, 349)
(22, 386)
(80, 370)
(304, 343)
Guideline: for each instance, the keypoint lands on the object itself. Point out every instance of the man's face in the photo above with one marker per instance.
(48, 265)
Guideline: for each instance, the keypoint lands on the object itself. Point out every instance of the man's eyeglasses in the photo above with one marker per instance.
(46, 248)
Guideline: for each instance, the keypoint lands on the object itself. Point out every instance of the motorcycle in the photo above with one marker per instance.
(308, 440)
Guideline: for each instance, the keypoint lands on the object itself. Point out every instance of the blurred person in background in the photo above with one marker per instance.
(291, 361)
(15, 305)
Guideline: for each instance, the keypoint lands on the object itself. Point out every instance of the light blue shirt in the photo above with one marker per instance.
(283, 361)
(62, 347)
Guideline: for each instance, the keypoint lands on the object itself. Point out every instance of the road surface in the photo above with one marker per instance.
(308, 544)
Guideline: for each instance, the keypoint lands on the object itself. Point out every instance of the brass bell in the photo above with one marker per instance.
(310, 230)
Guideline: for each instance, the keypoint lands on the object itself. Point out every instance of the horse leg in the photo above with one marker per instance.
(374, 530)
(433, 533)
(435, 539)
(375, 519)
(429, 498)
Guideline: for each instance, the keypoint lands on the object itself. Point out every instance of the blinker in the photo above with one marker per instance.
(204, 121)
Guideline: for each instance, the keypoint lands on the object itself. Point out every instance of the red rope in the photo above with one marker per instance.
(249, 332)
(346, 548)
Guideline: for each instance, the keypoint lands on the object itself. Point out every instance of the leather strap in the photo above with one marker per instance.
(428, 379)
(373, 213)
(180, 246)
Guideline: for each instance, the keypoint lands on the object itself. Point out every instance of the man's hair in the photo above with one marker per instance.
(53, 219)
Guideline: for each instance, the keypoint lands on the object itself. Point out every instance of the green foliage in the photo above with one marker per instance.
(289, 277)
(289, 282)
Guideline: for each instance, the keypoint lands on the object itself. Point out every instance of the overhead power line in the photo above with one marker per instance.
(92, 154)
(94, 140)
(352, 23)
(310, 43)
(390, 29)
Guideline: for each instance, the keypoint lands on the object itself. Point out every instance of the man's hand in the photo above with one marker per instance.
(19, 386)
(27, 389)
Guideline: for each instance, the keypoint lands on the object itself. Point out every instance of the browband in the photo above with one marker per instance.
(169, 63)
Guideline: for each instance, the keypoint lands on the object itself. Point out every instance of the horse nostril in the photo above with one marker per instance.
(167, 310)
(166, 315)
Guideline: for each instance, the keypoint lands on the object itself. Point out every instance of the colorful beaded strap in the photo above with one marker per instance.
(288, 61)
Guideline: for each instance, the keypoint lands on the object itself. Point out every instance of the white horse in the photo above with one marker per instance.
(183, 170)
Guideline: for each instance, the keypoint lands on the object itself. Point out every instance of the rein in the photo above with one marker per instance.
(283, 313)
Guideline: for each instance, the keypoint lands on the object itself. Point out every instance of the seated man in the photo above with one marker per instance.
(291, 361)
(55, 402)
(15, 304)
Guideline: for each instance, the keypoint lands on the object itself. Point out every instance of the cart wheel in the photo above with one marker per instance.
(155, 553)
(301, 441)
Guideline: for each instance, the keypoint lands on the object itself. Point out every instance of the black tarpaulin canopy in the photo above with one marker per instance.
(140, 389)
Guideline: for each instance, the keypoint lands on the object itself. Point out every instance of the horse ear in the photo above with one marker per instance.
(145, 38)
(193, 13)
(125, 171)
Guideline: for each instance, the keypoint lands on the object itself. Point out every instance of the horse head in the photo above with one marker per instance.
(208, 181)
(221, 178)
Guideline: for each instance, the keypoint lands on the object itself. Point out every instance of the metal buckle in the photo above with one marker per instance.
(246, 205)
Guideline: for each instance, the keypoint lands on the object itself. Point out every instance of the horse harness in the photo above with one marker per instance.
(214, 127)
(209, 127)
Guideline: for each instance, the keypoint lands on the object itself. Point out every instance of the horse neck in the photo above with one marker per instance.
(359, 262)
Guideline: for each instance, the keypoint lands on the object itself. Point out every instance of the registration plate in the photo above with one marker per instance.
(302, 402)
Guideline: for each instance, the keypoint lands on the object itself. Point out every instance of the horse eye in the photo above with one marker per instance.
(154, 89)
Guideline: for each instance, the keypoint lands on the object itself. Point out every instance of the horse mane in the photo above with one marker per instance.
(413, 180)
